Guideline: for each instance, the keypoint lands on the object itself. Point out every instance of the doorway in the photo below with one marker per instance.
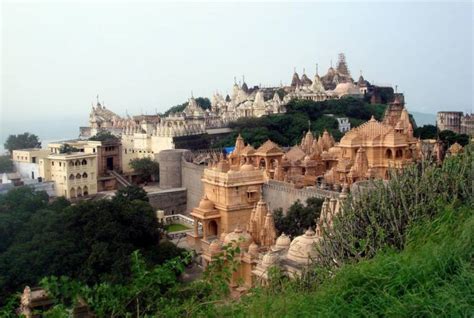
(110, 163)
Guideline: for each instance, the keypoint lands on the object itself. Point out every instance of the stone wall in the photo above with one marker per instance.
(191, 180)
(170, 168)
(282, 195)
(172, 201)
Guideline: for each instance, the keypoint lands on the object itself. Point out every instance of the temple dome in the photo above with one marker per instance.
(302, 247)
(283, 241)
(206, 204)
(269, 259)
(238, 237)
(253, 249)
(247, 167)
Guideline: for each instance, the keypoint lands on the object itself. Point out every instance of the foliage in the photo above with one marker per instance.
(298, 217)
(203, 102)
(432, 277)
(89, 241)
(6, 164)
(131, 193)
(148, 169)
(288, 129)
(104, 135)
(67, 148)
(379, 216)
(426, 132)
(22, 141)
(449, 137)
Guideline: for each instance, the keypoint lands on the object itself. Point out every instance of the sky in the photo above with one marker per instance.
(143, 57)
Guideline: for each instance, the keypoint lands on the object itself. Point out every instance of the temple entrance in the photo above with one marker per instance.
(212, 228)
(110, 163)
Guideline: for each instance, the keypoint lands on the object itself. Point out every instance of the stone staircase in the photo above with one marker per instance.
(120, 179)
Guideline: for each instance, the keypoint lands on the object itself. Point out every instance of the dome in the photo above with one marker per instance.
(239, 237)
(283, 241)
(215, 247)
(206, 204)
(302, 247)
(269, 259)
(343, 89)
(247, 167)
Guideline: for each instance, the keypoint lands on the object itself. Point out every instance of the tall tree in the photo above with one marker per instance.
(6, 164)
(22, 141)
(298, 217)
(104, 135)
(148, 169)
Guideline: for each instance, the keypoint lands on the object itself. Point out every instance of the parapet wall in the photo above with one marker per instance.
(191, 175)
(282, 195)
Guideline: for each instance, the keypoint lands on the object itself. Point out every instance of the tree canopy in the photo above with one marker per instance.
(22, 141)
(6, 164)
(298, 217)
(148, 169)
(104, 135)
(67, 148)
(90, 241)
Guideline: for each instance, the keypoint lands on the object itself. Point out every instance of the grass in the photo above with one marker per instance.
(433, 276)
(176, 227)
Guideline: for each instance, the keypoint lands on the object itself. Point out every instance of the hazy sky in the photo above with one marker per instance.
(144, 56)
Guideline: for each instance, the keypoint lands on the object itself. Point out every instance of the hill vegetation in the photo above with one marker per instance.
(203, 102)
(288, 128)
(404, 248)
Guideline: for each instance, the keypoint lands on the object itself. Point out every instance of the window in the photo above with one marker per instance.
(33, 160)
(84, 175)
(84, 162)
(52, 163)
(78, 176)
(71, 177)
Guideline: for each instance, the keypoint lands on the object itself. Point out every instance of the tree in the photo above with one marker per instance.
(148, 169)
(67, 148)
(426, 132)
(90, 241)
(6, 164)
(131, 193)
(104, 135)
(22, 141)
(203, 102)
(298, 217)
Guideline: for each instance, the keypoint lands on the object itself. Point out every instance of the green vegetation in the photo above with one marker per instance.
(448, 137)
(298, 218)
(6, 164)
(203, 102)
(287, 129)
(91, 241)
(148, 169)
(67, 148)
(404, 248)
(104, 135)
(175, 227)
(22, 141)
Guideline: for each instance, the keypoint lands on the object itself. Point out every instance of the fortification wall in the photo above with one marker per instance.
(172, 201)
(170, 168)
(282, 195)
(191, 180)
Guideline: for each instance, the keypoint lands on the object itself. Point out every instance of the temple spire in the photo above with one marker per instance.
(316, 68)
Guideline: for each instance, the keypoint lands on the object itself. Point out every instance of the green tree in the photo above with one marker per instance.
(104, 135)
(426, 132)
(6, 164)
(298, 217)
(148, 169)
(131, 193)
(67, 148)
(203, 102)
(22, 141)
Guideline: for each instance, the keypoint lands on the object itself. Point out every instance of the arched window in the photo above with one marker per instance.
(71, 177)
(77, 163)
(78, 176)
(85, 191)
(72, 193)
(388, 154)
(399, 153)
(79, 192)
(84, 162)
(84, 175)
(71, 163)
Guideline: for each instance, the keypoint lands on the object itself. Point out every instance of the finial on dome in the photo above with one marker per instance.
(304, 70)
(372, 118)
(235, 80)
(396, 89)
(316, 68)
(294, 69)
